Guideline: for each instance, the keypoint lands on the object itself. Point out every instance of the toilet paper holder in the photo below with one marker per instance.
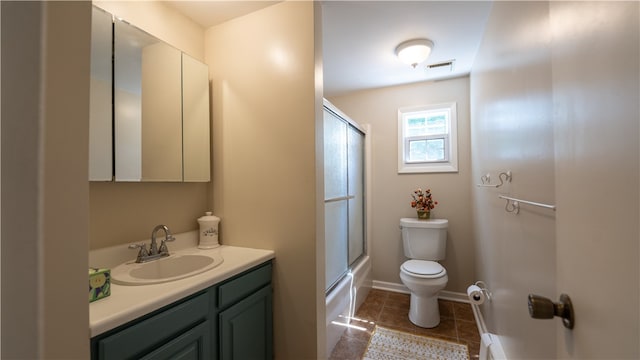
(477, 298)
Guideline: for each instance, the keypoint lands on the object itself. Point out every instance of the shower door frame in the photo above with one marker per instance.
(363, 170)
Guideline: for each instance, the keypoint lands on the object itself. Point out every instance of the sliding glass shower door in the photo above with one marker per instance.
(343, 195)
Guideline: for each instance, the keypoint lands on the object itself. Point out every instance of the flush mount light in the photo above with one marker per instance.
(415, 51)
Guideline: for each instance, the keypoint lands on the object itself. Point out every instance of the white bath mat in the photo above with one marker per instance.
(387, 344)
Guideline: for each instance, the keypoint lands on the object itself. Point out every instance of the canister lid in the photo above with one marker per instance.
(208, 217)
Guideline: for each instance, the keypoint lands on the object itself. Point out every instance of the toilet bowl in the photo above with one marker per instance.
(425, 279)
(424, 242)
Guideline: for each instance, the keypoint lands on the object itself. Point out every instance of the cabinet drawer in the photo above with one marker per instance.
(146, 335)
(239, 288)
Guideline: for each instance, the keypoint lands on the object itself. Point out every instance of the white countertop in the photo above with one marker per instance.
(127, 303)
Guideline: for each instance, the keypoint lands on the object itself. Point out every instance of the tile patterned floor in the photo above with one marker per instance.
(391, 310)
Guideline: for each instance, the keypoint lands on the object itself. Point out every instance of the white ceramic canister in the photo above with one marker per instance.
(208, 231)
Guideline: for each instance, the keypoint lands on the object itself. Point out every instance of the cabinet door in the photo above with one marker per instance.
(246, 328)
(194, 344)
(152, 333)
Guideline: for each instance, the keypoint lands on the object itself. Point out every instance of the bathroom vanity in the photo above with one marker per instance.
(223, 313)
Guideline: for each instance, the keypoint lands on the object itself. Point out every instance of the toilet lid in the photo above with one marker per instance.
(423, 268)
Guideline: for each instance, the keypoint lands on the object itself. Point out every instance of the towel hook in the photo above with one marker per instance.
(486, 179)
(512, 206)
(507, 177)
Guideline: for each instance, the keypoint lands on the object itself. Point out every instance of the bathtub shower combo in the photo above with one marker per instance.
(347, 265)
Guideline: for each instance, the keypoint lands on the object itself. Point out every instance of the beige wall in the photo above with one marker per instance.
(512, 130)
(392, 191)
(121, 213)
(555, 100)
(127, 212)
(596, 77)
(45, 87)
(263, 95)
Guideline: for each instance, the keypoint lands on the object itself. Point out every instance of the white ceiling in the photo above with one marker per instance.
(213, 12)
(360, 37)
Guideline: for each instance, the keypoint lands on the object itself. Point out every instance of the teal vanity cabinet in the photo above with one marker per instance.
(246, 318)
(230, 320)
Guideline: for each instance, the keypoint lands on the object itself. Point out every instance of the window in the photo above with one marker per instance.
(427, 139)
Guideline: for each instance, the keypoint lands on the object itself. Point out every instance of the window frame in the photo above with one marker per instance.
(450, 162)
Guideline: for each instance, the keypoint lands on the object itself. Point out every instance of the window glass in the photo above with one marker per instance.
(417, 150)
(437, 123)
(427, 138)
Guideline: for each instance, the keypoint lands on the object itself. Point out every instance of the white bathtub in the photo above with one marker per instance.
(340, 302)
(490, 347)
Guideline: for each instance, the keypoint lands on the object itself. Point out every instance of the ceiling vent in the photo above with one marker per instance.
(439, 69)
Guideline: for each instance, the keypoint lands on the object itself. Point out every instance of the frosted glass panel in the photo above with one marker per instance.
(356, 229)
(344, 195)
(356, 191)
(335, 156)
(335, 232)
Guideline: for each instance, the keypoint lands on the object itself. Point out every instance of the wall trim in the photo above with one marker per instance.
(400, 288)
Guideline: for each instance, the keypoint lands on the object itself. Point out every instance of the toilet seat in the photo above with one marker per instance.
(423, 269)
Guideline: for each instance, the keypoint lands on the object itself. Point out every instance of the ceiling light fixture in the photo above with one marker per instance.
(415, 51)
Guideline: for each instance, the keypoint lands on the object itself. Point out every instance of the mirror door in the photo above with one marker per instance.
(148, 108)
(100, 118)
(196, 146)
(150, 116)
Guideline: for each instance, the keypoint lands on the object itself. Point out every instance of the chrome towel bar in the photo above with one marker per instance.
(513, 204)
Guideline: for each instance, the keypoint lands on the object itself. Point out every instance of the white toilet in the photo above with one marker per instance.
(424, 243)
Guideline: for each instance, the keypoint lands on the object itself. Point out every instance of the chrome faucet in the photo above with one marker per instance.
(163, 250)
(154, 252)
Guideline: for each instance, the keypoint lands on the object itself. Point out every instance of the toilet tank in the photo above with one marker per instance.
(424, 239)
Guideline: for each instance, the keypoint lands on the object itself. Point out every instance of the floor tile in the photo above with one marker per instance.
(391, 310)
(467, 330)
(463, 311)
(446, 308)
(361, 330)
(369, 311)
(398, 301)
(474, 349)
(348, 349)
(376, 297)
(446, 329)
(396, 317)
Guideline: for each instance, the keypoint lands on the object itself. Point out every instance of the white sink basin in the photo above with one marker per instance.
(173, 267)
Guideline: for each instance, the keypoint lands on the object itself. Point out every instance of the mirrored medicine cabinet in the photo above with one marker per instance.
(149, 118)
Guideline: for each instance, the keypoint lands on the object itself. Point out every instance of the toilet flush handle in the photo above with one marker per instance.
(542, 308)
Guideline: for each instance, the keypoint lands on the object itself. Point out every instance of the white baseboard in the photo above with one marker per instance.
(400, 288)
(388, 286)
(453, 296)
